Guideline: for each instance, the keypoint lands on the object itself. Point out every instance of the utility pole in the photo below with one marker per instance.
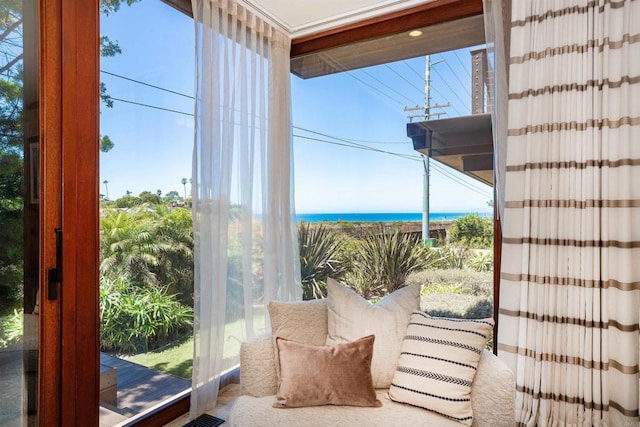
(426, 112)
(425, 158)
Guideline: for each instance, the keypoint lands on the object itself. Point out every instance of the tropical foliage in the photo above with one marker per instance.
(139, 318)
(146, 268)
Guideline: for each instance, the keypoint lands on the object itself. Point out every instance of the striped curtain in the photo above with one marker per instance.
(570, 277)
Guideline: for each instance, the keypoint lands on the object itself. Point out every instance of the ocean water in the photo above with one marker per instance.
(383, 217)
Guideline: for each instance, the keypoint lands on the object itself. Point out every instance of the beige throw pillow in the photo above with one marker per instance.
(439, 359)
(350, 316)
(301, 321)
(325, 375)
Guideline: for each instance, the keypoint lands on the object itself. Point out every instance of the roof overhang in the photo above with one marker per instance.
(334, 36)
(463, 143)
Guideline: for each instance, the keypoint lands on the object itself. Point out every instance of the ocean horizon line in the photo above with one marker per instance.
(383, 216)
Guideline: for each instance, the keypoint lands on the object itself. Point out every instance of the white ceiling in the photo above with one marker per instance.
(304, 17)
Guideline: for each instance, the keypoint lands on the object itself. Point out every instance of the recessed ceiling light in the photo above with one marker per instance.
(415, 33)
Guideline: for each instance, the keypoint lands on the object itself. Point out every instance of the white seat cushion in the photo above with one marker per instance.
(258, 411)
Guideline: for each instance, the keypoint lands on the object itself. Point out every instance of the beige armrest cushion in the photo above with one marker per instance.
(493, 393)
(258, 367)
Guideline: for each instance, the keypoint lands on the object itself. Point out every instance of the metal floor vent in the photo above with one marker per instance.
(205, 420)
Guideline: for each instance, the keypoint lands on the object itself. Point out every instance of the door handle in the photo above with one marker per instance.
(55, 274)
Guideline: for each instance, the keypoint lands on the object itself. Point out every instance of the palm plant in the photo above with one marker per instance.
(129, 244)
(320, 257)
(175, 268)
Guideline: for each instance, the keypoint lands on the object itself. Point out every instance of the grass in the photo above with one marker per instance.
(177, 359)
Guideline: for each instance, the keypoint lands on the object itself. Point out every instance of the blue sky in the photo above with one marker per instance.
(153, 148)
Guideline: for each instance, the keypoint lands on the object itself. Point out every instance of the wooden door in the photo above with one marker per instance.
(68, 100)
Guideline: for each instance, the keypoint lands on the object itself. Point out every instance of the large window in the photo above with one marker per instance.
(146, 234)
(360, 182)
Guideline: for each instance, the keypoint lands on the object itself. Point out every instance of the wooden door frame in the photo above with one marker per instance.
(50, 33)
(69, 118)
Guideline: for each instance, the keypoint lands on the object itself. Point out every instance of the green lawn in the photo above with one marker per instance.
(177, 359)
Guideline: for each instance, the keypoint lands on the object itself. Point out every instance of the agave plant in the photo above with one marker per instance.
(384, 260)
(481, 260)
(320, 257)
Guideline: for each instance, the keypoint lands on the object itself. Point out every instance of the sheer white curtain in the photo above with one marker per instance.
(496, 17)
(246, 251)
(570, 276)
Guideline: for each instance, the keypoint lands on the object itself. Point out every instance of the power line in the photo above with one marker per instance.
(342, 68)
(444, 97)
(432, 88)
(354, 140)
(402, 156)
(146, 84)
(460, 61)
(355, 145)
(456, 76)
(457, 179)
(436, 165)
(349, 73)
(344, 142)
(405, 79)
(387, 86)
(151, 106)
(449, 86)
(413, 69)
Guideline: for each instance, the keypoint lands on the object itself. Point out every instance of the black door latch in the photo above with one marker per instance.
(55, 274)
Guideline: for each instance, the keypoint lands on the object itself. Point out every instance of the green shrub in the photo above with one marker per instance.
(457, 306)
(11, 329)
(127, 202)
(473, 231)
(139, 318)
(453, 281)
(320, 257)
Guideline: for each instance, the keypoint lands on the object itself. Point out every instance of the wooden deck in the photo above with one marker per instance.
(138, 388)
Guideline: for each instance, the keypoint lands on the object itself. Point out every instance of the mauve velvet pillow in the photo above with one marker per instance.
(325, 375)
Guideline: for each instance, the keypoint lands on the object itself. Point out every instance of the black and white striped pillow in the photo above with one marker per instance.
(438, 361)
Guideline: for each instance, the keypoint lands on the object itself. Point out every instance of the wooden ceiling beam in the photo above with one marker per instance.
(432, 13)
